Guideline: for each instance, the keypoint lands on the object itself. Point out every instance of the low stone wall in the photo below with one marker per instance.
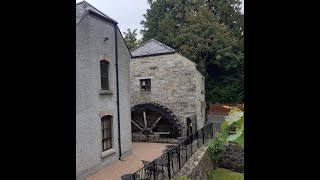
(232, 158)
(197, 166)
(152, 138)
(200, 163)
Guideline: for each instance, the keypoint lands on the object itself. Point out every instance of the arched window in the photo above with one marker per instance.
(106, 125)
(104, 69)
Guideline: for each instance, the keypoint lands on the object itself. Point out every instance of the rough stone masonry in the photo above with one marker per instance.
(198, 166)
(175, 83)
(232, 158)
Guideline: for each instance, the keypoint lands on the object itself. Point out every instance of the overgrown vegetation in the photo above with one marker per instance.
(216, 147)
(232, 130)
(181, 178)
(225, 174)
(233, 127)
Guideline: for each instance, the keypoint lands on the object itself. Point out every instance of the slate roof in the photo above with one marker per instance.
(151, 47)
(83, 7)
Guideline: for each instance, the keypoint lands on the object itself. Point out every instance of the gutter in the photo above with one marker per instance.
(117, 80)
(117, 72)
(158, 54)
(116, 64)
(102, 17)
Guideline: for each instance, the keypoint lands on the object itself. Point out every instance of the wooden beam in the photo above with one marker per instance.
(138, 123)
(156, 123)
(145, 118)
(161, 133)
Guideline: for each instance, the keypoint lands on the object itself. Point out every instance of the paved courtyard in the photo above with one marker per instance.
(131, 163)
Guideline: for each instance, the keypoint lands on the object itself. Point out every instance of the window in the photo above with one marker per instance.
(145, 84)
(106, 132)
(104, 65)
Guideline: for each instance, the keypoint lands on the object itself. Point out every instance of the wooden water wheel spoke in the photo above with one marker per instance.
(161, 132)
(145, 119)
(146, 123)
(136, 124)
(156, 123)
(151, 118)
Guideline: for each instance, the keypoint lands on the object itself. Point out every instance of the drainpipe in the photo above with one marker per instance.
(117, 80)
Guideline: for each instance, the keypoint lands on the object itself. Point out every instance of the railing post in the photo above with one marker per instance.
(191, 142)
(212, 134)
(186, 142)
(198, 138)
(168, 154)
(179, 156)
(154, 170)
(203, 135)
(208, 132)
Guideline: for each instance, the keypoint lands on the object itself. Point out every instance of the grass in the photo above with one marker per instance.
(225, 174)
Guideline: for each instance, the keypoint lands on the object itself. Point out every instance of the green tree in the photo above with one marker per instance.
(131, 38)
(229, 13)
(208, 33)
(207, 42)
(228, 86)
(161, 20)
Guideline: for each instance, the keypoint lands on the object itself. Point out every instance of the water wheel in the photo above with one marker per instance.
(152, 118)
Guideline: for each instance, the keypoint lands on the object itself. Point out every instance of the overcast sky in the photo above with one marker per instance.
(128, 13)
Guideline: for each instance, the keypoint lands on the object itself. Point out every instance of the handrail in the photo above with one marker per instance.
(177, 156)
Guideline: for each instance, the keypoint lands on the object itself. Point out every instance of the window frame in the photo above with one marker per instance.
(104, 75)
(147, 86)
(109, 135)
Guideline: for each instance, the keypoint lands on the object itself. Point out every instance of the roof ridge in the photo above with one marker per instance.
(91, 6)
(151, 47)
(161, 44)
(99, 10)
(141, 45)
(158, 42)
(80, 2)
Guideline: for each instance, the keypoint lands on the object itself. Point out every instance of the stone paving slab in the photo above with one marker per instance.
(131, 163)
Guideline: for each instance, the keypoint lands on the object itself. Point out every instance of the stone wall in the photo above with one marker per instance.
(232, 158)
(175, 83)
(198, 165)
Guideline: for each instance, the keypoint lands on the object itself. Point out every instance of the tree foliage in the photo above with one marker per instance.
(131, 38)
(229, 13)
(210, 33)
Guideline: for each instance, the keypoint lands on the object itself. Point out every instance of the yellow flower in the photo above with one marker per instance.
(228, 107)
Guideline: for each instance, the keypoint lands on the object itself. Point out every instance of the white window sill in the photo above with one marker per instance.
(103, 92)
(108, 152)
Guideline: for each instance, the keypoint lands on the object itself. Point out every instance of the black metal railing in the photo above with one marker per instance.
(175, 156)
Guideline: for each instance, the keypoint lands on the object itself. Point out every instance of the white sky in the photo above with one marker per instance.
(128, 13)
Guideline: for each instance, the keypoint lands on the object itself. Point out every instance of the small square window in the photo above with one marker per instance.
(145, 84)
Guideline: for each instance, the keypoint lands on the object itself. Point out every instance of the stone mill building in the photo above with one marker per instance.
(166, 89)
